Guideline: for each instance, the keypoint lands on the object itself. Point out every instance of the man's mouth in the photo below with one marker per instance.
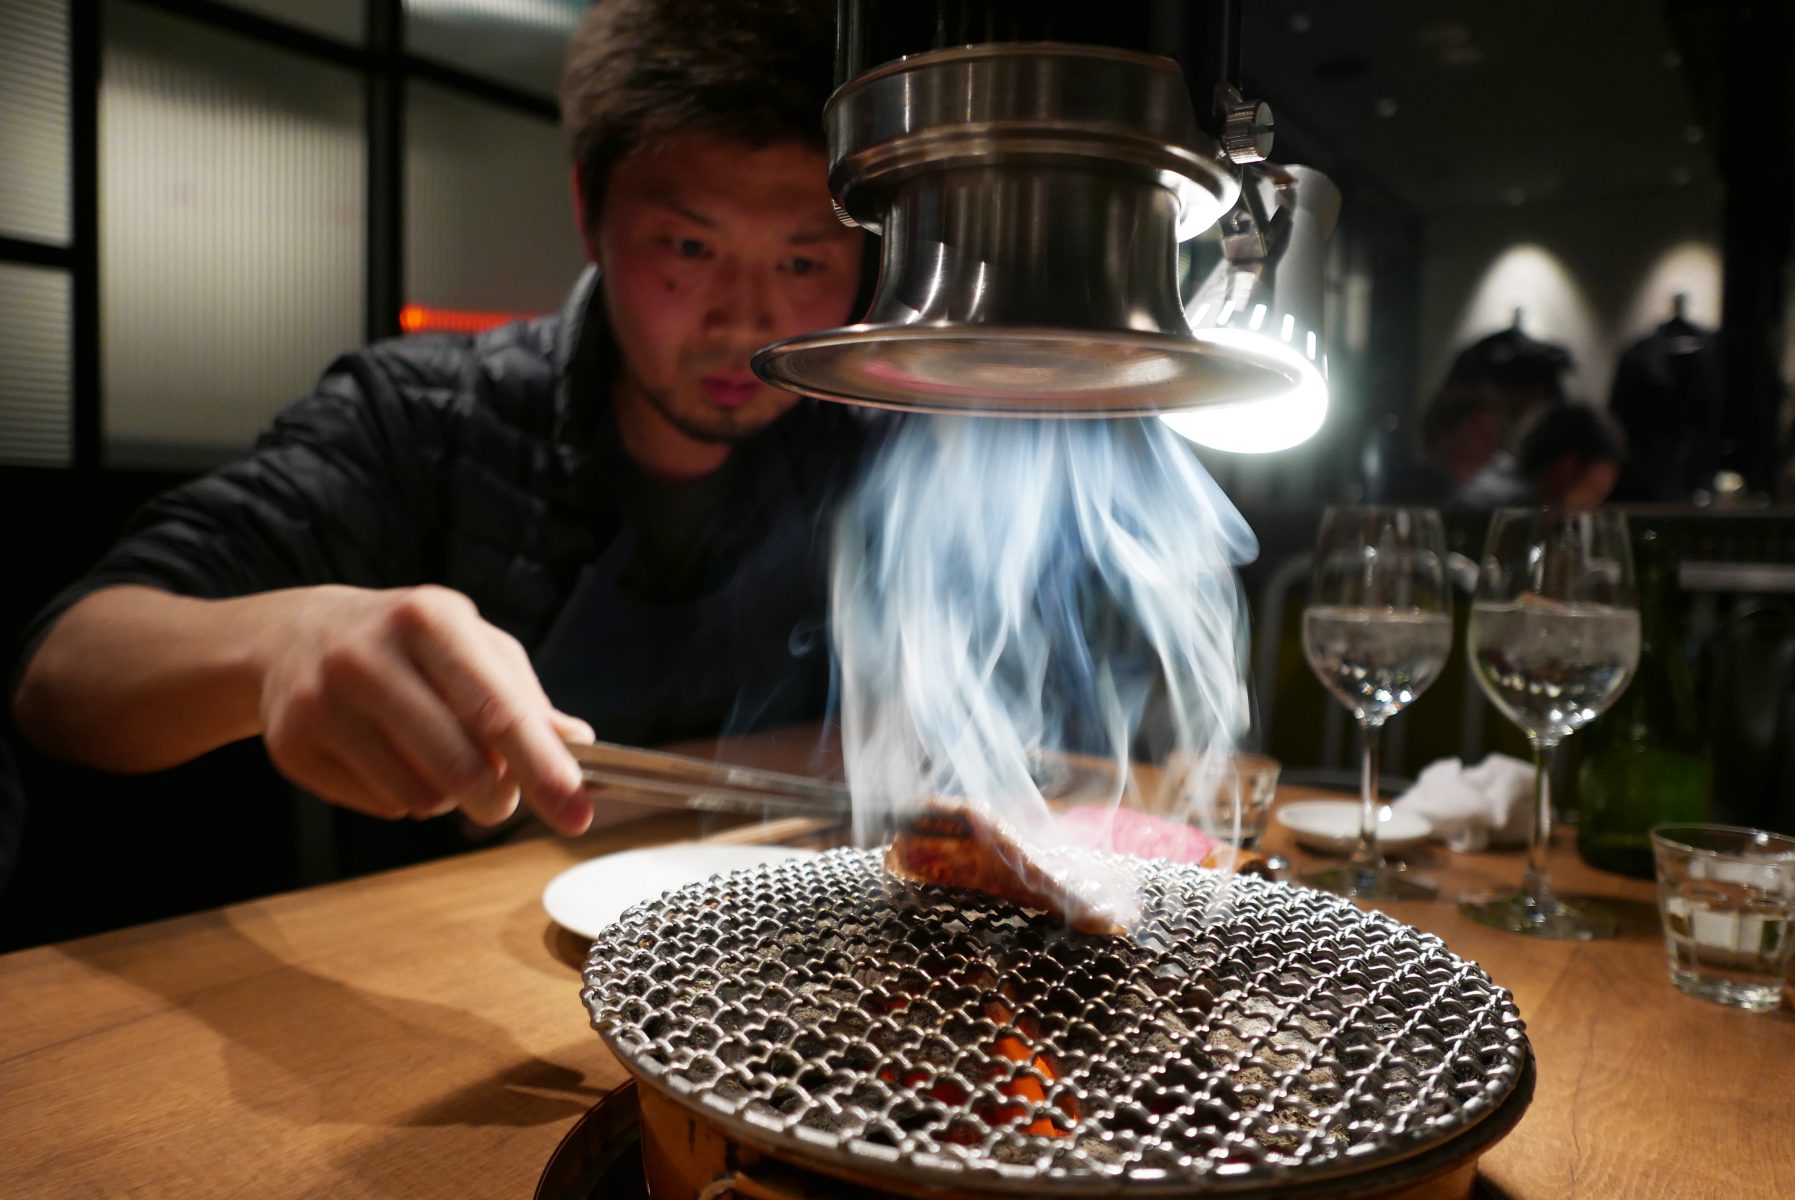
(730, 391)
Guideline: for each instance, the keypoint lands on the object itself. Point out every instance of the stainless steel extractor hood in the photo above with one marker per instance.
(1031, 175)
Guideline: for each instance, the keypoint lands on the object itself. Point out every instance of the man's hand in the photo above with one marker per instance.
(405, 703)
(396, 703)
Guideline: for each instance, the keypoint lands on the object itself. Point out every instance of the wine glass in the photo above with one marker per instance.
(1377, 631)
(1554, 639)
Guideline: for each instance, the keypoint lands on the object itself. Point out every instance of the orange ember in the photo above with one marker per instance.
(1027, 1087)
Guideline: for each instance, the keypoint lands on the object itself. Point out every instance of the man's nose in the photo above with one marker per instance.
(743, 299)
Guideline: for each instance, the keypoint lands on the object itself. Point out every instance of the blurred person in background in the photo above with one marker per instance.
(1460, 433)
(459, 551)
(1572, 457)
(1520, 375)
(1519, 381)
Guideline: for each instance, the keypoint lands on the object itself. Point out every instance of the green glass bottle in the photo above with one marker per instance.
(1644, 761)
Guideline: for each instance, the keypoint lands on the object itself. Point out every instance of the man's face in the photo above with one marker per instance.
(1577, 483)
(1592, 484)
(710, 249)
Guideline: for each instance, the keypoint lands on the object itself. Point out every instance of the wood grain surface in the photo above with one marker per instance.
(419, 1034)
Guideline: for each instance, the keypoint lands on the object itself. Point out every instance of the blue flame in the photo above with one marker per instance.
(1010, 592)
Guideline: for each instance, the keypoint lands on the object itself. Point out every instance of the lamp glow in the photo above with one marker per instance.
(1272, 269)
(1266, 424)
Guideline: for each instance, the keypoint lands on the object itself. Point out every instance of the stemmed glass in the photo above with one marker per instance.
(1377, 630)
(1554, 639)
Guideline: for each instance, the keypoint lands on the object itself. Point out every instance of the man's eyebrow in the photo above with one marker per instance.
(679, 209)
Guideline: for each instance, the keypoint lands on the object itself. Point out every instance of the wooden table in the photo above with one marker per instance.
(419, 1034)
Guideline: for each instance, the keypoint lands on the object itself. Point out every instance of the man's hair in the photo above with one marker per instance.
(1577, 430)
(639, 72)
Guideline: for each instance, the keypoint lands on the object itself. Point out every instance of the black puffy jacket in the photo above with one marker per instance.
(488, 464)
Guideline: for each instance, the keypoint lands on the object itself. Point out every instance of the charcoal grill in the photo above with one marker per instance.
(813, 1025)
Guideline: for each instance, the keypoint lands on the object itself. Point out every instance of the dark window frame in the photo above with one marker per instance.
(385, 69)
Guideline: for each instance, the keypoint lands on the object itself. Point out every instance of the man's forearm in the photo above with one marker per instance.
(135, 679)
(394, 702)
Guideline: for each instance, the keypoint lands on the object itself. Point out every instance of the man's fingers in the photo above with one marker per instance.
(546, 772)
(426, 734)
(499, 702)
(299, 752)
(576, 813)
(382, 772)
(331, 779)
(499, 804)
(571, 728)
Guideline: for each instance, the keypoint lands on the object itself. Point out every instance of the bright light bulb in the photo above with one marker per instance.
(1266, 424)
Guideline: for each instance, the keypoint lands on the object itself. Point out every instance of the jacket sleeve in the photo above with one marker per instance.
(340, 489)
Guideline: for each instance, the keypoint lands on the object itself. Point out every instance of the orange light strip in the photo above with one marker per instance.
(416, 318)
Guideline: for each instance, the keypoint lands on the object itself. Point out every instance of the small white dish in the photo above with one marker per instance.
(586, 898)
(1332, 826)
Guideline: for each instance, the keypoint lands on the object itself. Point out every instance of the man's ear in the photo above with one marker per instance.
(581, 217)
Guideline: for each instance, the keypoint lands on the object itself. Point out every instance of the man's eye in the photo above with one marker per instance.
(803, 266)
(687, 247)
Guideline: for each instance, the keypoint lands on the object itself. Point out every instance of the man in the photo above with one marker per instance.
(1521, 379)
(1460, 435)
(458, 552)
(1572, 457)
(1522, 375)
(1461, 432)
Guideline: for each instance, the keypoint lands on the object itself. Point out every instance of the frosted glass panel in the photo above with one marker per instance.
(488, 207)
(34, 120)
(345, 20)
(232, 211)
(517, 42)
(34, 383)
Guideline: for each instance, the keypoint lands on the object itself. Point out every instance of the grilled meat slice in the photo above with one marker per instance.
(954, 844)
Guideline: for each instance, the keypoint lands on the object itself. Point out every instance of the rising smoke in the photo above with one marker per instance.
(1008, 592)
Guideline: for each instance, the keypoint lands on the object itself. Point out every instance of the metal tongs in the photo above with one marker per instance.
(656, 777)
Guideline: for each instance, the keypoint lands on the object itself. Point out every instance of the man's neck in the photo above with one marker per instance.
(656, 445)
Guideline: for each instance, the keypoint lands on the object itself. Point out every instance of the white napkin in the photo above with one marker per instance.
(1472, 808)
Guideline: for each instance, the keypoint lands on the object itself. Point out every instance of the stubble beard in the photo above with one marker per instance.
(714, 427)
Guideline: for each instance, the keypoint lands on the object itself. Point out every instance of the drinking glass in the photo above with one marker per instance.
(1377, 630)
(1553, 640)
(1230, 802)
(1726, 896)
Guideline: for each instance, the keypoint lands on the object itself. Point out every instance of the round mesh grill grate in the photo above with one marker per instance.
(949, 1040)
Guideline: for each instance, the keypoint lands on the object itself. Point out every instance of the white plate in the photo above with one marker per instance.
(586, 898)
(1332, 826)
